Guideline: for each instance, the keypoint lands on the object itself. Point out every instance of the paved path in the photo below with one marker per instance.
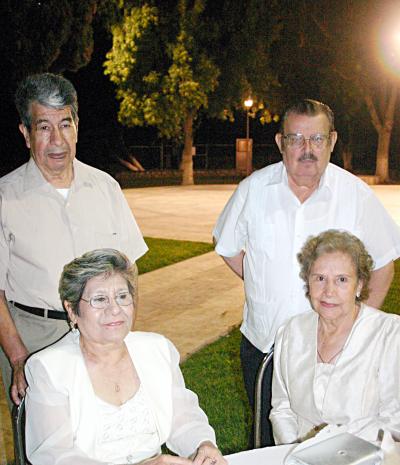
(178, 212)
(196, 301)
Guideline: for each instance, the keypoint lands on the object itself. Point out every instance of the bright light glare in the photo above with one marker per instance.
(248, 103)
(390, 49)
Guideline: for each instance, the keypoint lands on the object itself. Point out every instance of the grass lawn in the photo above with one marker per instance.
(214, 373)
(163, 252)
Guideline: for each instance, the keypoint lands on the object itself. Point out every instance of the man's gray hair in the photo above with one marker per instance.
(98, 262)
(308, 107)
(50, 90)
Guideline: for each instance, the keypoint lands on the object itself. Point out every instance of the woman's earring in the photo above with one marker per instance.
(73, 326)
(358, 294)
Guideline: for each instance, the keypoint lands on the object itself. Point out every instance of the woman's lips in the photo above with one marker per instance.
(328, 304)
(114, 323)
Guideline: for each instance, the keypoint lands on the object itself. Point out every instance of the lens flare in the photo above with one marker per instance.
(389, 50)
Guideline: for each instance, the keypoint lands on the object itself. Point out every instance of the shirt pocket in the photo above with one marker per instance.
(262, 238)
(109, 240)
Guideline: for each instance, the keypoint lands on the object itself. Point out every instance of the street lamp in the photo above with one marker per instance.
(248, 103)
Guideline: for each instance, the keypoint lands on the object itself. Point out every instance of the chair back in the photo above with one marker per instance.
(266, 361)
(18, 424)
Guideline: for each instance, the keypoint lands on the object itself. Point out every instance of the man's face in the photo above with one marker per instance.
(51, 139)
(305, 164)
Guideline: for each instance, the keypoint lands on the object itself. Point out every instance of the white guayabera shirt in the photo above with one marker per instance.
(266, 220)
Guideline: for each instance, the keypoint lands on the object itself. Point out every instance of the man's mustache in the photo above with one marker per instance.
(308, 156)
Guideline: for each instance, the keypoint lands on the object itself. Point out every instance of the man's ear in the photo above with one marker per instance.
(333, 137)
(278, 140)
(76, 125)
(25, 132)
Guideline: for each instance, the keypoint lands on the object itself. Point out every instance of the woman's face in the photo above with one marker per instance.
(108, 325)
(333, 286)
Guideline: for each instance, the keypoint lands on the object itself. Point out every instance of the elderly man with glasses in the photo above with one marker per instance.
(273, 212)
(52, 209)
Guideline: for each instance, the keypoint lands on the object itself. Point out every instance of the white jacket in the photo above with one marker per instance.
(364, 384)
(61, 412)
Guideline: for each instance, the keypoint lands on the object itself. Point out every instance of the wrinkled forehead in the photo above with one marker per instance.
(306, 124)
(39, 112)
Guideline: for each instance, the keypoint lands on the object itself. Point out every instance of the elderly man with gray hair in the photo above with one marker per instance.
(52, 209)
(273, 212)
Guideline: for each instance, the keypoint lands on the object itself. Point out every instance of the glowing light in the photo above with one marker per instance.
(248, 103)
(389, 48)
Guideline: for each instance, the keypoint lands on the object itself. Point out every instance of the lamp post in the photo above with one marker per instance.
(248, 103)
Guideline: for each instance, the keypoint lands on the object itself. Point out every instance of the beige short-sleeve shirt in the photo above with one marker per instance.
(40, 231)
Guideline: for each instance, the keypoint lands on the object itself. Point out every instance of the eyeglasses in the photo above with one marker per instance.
(101, 302)
(298, 141)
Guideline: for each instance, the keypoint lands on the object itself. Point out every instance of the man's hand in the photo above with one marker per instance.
(19, 385)
(14, 348)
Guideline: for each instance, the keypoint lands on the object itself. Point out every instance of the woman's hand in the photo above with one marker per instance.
(208, 454)
(165, 459)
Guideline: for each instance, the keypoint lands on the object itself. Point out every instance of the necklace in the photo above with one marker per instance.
(332, 358)
(116, 387)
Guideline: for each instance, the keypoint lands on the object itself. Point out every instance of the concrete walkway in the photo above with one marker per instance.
(196, 301)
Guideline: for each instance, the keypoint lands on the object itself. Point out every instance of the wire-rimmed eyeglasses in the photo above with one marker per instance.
(101, 302)
(317, 141)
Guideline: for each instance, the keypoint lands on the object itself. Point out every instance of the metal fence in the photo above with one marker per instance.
(206, 157)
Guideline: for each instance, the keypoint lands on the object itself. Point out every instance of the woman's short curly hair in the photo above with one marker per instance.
(98, 262)
(331, 241)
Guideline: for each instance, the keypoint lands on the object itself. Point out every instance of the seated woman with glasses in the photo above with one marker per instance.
(338, 364)
(103, 394)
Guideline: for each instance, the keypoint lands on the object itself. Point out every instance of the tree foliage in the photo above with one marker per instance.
(336, 51)
(47, 35)
(154, 89)
(38, 36)
(174, 60)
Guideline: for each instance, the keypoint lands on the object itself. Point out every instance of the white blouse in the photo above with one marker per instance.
(127, 433)
(65, 426)
(323, 374)
(363, 385)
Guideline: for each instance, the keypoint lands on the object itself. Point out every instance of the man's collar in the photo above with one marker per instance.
(34, 179)
(278, 175)
(324, 183)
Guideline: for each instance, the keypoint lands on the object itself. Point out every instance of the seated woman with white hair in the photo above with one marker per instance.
(340, 363)
(103, 394)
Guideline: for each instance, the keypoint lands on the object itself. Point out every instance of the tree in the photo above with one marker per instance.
(38, 36)
(174, 60)
(341, 41)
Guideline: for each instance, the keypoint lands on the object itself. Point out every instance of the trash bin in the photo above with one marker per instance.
(244, 156)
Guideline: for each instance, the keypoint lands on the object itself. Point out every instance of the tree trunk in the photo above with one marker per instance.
(383, 125)
(347, 157)
(187, 158)
(382, 154)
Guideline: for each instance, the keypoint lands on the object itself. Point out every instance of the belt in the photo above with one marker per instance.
(53, 314)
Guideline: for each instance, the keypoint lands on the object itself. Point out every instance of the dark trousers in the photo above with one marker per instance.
(251, 359)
